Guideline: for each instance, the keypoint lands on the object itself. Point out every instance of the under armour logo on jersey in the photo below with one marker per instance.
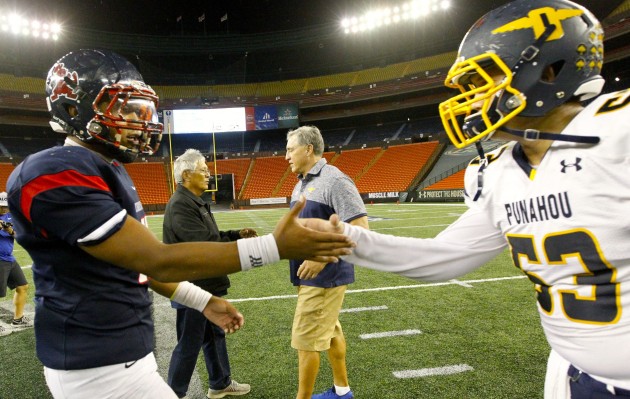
(255, 262)
(575, 165)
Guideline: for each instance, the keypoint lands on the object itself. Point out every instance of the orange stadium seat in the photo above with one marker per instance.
(452, 182)
(5, 171)
(352, 162)
(396, 168)
(237, 167)
(264, 177)
(151, 181)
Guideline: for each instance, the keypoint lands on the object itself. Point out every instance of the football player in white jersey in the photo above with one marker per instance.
(556, 195)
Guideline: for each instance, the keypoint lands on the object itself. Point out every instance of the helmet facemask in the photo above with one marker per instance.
(473, 115)
(128, 110)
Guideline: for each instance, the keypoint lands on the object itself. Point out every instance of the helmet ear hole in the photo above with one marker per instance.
(71, 110)
(552, 71)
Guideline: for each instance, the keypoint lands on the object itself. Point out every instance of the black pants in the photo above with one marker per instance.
(195, 332)
(583, 386)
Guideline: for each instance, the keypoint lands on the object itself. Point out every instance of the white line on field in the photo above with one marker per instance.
(387, 334)
(467, 284)
(365, 309)
(398, 287)
(446, 370)
(462, 283)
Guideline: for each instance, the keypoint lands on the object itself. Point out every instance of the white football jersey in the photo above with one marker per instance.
(566, 226)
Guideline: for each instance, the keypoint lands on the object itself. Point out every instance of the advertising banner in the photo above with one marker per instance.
(288, 116)
(266, 117)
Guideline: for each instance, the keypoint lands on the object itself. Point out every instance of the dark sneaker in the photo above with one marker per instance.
(331, 394)
(234, 389)
(22, 322)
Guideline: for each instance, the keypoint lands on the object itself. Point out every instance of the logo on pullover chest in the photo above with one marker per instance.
(565, 164)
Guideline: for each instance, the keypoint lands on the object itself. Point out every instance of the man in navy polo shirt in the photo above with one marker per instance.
(321, 285)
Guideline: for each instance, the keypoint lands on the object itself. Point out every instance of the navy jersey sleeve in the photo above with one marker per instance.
(72, 200)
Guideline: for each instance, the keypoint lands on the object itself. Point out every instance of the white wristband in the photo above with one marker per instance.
(191, 296)
(257, 251)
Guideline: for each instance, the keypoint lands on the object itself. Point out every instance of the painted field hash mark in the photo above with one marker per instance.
(387, 334)
(363, 309)
(446, 370)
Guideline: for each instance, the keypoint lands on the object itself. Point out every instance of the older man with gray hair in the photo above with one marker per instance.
(321, 286)
(189, 218)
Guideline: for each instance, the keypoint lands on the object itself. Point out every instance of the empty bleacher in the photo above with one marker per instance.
(265, 175)
(396, 168)
(5, 171)
(238, 167)
(337, 137)
(151, 181)
(371, 134)
(352, 162)
(451, 182)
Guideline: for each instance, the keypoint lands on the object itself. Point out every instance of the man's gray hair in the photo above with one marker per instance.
(308, 135)
(187, 161)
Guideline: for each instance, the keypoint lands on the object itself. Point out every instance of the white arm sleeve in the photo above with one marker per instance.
(465, 245)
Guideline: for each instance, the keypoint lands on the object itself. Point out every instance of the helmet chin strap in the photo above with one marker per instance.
(483, 162)
(527, 134)
(533, 134)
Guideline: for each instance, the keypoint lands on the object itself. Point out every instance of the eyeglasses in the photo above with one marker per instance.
(205, 171)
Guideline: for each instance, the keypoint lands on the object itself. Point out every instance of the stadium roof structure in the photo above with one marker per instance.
(239, 41)
(220, 47)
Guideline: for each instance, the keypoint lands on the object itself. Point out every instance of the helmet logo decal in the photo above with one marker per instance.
(61, 87)
(534, 20)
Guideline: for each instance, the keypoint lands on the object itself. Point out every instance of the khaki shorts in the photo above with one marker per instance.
(316, 320)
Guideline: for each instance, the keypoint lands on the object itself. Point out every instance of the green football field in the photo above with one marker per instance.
(475, 337)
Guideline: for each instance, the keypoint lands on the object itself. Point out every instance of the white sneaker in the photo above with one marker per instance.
(234, 389)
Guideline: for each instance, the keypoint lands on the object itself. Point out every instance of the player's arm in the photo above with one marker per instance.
(217, 310)
(310, 269)
(465, 245)
(134, 247)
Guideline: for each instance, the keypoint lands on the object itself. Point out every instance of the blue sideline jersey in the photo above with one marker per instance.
(88, 313)
(328, 191)
(6, 241)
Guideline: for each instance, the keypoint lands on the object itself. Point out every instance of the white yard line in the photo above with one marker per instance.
(388, 334)
(364, 309)
(446, 370)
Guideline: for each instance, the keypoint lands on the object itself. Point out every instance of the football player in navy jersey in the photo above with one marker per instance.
(555, 196)
(78, 215)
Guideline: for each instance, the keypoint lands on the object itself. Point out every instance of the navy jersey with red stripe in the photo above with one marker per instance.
(88, 313)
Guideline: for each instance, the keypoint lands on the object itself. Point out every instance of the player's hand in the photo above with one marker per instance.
(298, 242)
(223, 314)
(333, 225)
(248, 233)
(309, 269)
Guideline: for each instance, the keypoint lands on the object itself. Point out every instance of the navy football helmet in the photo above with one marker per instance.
(95, 95)
(550, 51)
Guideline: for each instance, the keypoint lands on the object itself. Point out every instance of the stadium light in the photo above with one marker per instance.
(20, 26)
(378, 17)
